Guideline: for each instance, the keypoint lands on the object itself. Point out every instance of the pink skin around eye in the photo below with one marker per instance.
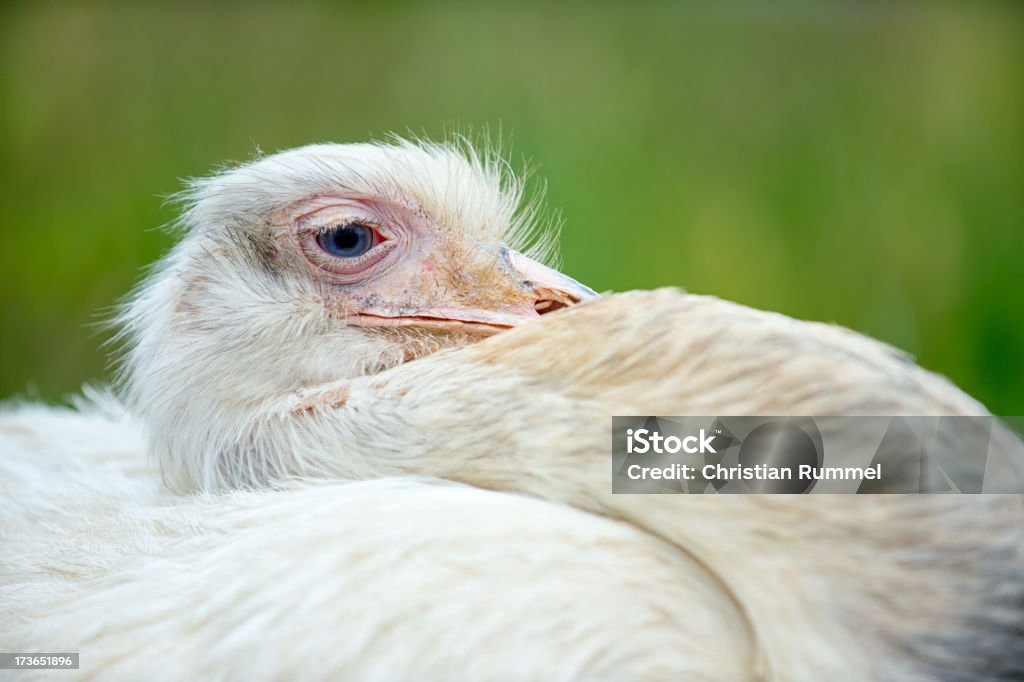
(324, 213)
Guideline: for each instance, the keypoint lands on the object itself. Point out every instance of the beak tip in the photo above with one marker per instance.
(553, 288)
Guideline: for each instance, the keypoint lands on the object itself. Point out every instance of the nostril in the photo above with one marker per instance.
(545, 306)
(550, 299)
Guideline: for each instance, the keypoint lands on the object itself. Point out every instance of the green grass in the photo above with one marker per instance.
(862, 164)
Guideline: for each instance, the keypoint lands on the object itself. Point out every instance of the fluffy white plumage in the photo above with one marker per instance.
(377, 580)
(252, 365)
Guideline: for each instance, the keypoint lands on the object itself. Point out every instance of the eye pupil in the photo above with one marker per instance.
(346, 241)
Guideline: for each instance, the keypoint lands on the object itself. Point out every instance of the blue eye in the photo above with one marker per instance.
(347, 241)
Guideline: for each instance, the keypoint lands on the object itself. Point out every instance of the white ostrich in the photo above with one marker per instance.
(272, 345)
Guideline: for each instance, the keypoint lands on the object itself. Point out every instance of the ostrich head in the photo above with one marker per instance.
(324, 263)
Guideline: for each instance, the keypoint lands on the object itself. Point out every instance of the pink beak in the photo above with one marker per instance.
(526, 290)
(552, 289)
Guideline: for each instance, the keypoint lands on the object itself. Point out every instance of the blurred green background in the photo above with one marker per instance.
(848, 162)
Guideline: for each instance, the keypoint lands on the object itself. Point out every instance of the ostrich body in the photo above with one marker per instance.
(390, 579)
(274, 344)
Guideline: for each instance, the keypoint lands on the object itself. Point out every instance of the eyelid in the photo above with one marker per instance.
(321, 223)
(338, 205)
(343, 268)
(306, 226)
(376, 253)
(378, 236)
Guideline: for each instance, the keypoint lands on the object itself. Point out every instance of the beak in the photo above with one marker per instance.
(552, 289)
(515, 290)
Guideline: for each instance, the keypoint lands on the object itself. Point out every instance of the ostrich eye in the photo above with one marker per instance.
(347, 241)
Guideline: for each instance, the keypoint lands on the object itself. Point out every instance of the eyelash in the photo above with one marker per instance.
(324, 229)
